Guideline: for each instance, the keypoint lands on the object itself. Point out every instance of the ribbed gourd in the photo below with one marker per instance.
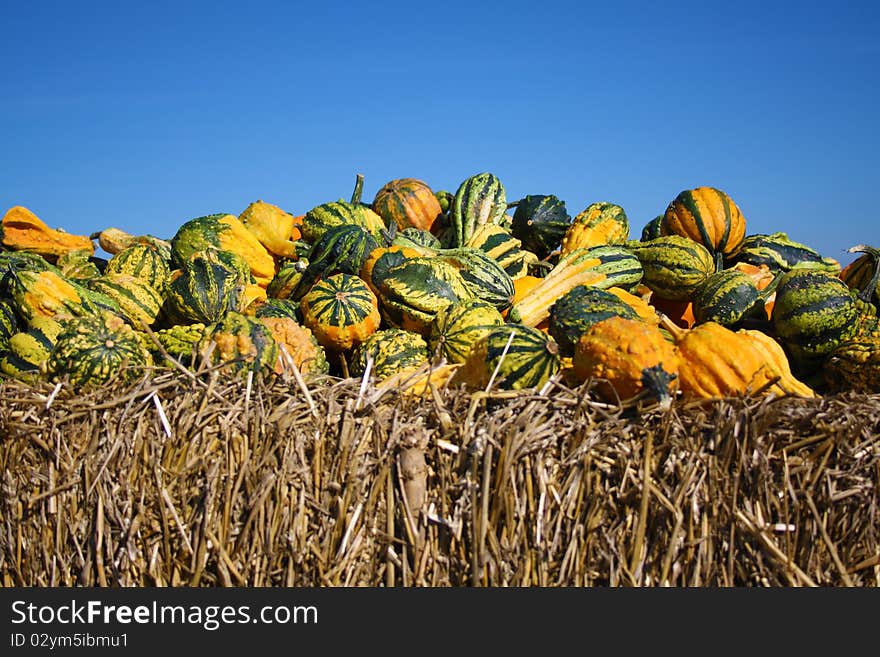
(630, 357)
(223, 232)
(241, 343)
(457, 327)
(727, 297)
(407, 203)
(781, 254)
(139, 302)
(341, 249)
(480, 199)
(94, 349)
(598, 224)
(576, 311)
(674, 267)
(210, 284)
(510, 357)
(391, 351)
(273, 227)
(540, 221)
(813, 313)
(143, 261)
(499, 243)
(341, 311)
(339, 213)
(708, 216)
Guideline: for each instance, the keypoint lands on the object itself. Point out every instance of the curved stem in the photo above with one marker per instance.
(867, 292)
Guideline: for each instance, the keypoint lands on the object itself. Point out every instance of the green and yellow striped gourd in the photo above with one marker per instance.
(341, 213)
(25, 355)
(80, 265)
(139, 302)
(341, 311)
(143, 261)
(391, 351)
(599, 224)
(579, 309)
(480, 199)
(782, 254)
(457, 327)
(499, 243)
(94, 349)
(510, 357)
(340, 249)
(674, 267)
(727, 297)
(210, 284)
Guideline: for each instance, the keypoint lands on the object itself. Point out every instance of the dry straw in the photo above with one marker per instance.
(211, 481)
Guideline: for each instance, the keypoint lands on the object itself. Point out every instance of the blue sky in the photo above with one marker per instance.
(144, 115)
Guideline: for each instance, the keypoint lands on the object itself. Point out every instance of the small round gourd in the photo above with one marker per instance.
(391, 350)
(457, 327)
(706, 215)
(578, 310)
(407, 203)
(341, 311)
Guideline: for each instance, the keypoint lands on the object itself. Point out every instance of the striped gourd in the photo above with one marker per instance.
(27, 352)
(240, 342)
(224, 232)
(407, 203)
(620, 265)
(210, 284)
(341, 311)
(499, 243)
(286, 279)
(143, 261)
(481, 275)
(42, 294)
(540, 221)
(706, 215)
(92, 350)
(391, 351)
(480, 199)
(863, 273)
(412, 290)
(726, 297)
(813, 313)
(341, 249)
(674, 266)
(458, 326)
(579, 309)
(297, 347)
(651, 230)
(781, 254)
(139, 302)
(599, 224)
(417, 239)
(279, 308)
(341, 213)
(854, 365)
(510, 357)
(79, 265)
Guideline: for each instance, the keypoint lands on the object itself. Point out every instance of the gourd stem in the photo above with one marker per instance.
(764, 294)
(358, 189)
(867, 292)
(676, 331)
(719, 261)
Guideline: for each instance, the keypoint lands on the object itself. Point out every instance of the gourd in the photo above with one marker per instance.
(22, 230)
(210, 284)
(113, 240)
(180, 341)
(457, 327)
(139, 302)
(499, 243)
(708, 216)
(861, 275)
(728, 297)
(781, 254)
(598, 224)
(718, 362)
(540, 221)
(651, 230)
(143, 261)
(341, 311)
(511, 357)
(273, 227)
(26, 352)
(287, 279)
(854, 365)
(576, 311)
(480, 199)
(223, 232)
(339, 213)
(407, 203)
(241, 343)
(631, 357)
(297, 346)
(674, 267)
(92, 350)
(80, 265)
(342, 248)
(391, 351)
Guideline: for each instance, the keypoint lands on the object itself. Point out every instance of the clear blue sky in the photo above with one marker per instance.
(144, 115)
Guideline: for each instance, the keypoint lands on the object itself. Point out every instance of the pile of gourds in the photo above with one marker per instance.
(424, 287)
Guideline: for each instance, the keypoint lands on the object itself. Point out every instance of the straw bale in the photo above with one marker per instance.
(210, 481)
